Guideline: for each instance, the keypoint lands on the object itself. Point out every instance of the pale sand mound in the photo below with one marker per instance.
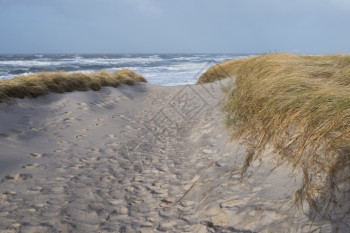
(140, 158)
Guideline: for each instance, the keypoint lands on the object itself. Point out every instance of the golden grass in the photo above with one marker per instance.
(221, 71)
(39, 84)
(298, 104)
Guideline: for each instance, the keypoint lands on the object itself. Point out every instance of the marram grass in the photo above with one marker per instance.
(299, 105)
(39, 84)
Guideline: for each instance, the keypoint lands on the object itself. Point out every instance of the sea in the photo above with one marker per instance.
(161, 69)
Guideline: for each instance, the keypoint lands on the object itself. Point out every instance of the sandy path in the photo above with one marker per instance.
(136, 159)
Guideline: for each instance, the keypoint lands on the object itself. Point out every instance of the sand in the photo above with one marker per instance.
(140, 158)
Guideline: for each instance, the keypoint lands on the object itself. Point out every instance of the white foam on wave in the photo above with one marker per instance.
(171, 75)
(166, 70)
(79, 61)
(81, 71)
(28, 63)
(115, 61)
(9, 76)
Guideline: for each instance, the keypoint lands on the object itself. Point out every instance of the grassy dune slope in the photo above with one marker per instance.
(300, 105)
(42, 83)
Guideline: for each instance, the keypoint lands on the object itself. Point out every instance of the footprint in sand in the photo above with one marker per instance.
(35, 129)
(10, 194)
(3, 198)
(76, 167)
(6, 196)
(207, 151)
(82, 106)
(35, 190)
(123, 117)
(62, 142)
(36, 155)
(81, 130)
(130, 128)
(69, 119)
(31, 165)
(39, 206)
(5, 135)
(98, 122)
(18, 177)
(57, 150)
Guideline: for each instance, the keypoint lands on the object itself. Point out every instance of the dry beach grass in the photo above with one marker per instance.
(39, 84)
(300, 105)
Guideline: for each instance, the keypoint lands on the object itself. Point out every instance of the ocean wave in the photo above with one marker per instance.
(28, 63)
(78, 61)
(162, 69)
(16, 72)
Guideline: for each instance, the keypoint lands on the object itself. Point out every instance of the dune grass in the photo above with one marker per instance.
(299, 105)
(221, 71)
(39, 84)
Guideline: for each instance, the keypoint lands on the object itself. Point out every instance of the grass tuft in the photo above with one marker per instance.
(39, 84)
(301, 106)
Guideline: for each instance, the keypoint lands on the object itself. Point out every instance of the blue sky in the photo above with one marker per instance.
(168, 26)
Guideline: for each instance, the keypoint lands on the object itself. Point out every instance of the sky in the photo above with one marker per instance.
(168, 26)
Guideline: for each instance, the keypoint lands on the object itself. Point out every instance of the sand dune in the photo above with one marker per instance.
(140, 158)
